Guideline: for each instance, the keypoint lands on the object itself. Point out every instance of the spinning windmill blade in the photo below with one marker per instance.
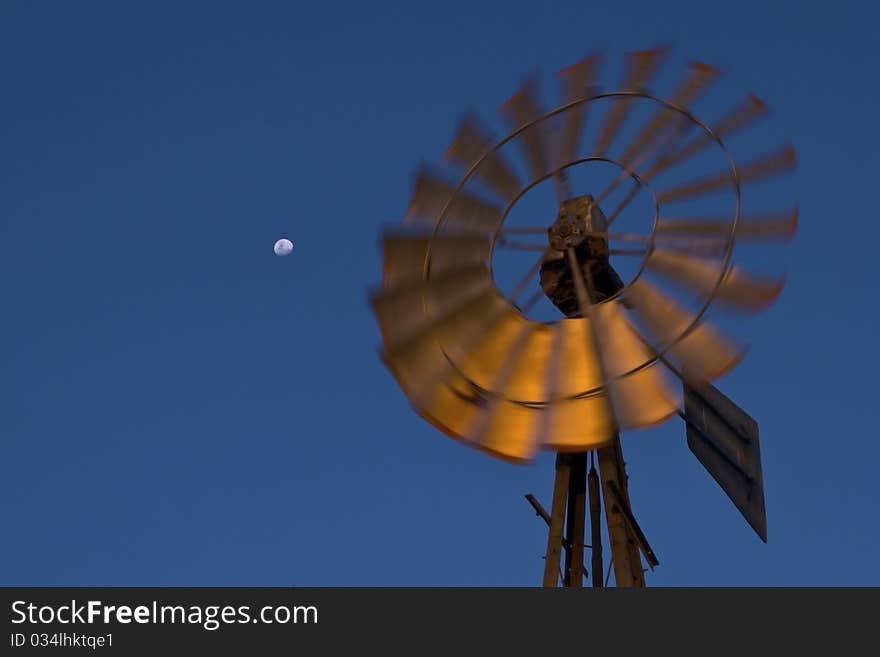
(777, 226)
(476, 366)
(577, 80)
(641, 67)
(523, 110)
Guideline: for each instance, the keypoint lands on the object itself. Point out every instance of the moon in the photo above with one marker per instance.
(283, 247)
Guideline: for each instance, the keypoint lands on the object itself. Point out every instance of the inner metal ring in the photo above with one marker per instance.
(595, 158)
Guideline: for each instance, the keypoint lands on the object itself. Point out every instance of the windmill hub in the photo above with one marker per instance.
(578, 217)
(580, 226)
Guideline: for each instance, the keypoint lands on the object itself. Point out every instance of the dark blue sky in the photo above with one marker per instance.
(178, 406)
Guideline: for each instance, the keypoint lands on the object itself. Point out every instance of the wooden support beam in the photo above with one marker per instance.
(577, 484)
(628, 571)
(557, 514)
(595, 527)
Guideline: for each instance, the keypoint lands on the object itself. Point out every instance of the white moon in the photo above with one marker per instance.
(283, 247)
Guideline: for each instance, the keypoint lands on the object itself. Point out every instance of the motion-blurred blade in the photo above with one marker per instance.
(523, 108)
(702, 354)
(472, 143)
(436, 376)
(410, 258)
(741, 117)
(488, 356)
(776, 226)
(576, 82)
(412, 310)
(640, 395)
(455, 407)
(707, 247)
(416, 353)
(457, 347)
(744, 291)
(510, 428)
(763, 167)
(405, 305)
(699, 77)
(464, 211)
(467, 405)
(578, 416)
(641, 67)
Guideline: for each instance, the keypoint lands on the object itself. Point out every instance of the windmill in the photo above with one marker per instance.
(625, 351)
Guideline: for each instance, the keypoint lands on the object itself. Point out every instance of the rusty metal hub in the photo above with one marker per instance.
(580, 225)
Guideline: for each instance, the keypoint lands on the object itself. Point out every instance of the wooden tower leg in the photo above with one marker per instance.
(577, 486)
(595, 528)
(628, 570)
(557, 513)
(608, 488)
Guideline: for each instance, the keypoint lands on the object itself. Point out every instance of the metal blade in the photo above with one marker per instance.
(454, 409)
(409, 311)
(418, 358)
(465, 212)
(664, 132)
(413, 300)
(699, 77)
(509, 429)
(489, 355)
(701, 355)
(470, 144)
(467, 406)
(522, 108)
(405, 256)
(425, 360)
(763, 167)
(576, 82)
(776, 226)
(641, 67)
(522, 246)
(572, 422)
(456, 348)
(707, 247)
(741, 117)
(639, 392)
(738, 289)
(405, 304)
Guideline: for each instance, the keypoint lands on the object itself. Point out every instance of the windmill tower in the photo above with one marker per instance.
(625, 350)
